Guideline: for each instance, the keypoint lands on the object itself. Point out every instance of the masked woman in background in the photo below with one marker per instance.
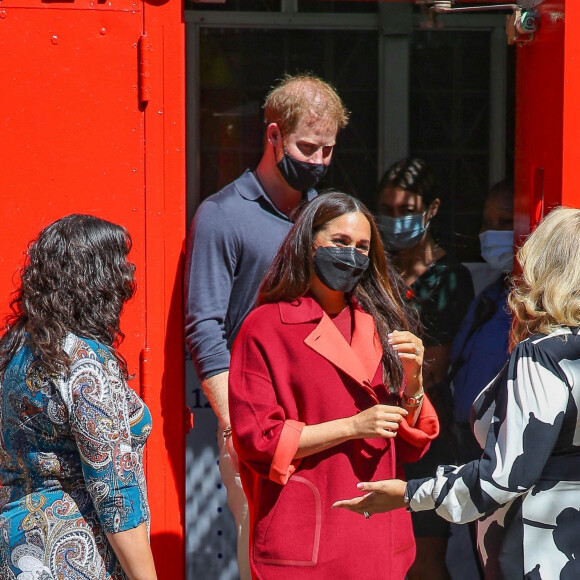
(325, 385)
(440, 289)
(481, 346)
(524, 488)
(73, 500)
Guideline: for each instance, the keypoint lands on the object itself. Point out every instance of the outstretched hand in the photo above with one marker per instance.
(382, 496)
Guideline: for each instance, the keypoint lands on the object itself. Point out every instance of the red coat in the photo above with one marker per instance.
(292, 367)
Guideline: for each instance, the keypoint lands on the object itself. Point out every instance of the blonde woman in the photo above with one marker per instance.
(525, 488)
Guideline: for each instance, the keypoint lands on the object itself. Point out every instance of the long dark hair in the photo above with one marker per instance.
(76, 279)
(377, 292)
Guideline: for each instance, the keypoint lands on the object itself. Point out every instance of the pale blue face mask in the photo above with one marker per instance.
(402, 232)
(497, 249)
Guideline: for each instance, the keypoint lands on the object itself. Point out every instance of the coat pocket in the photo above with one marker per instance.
(287, 530)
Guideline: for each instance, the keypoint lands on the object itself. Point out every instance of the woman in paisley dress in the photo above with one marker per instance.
(525, 489)
(73, 499)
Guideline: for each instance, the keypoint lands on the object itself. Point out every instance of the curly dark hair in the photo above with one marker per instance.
(378, 292)
(76, 279)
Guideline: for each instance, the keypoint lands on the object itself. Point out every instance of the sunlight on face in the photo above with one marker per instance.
(312, 142)
(351, 229)
(397, 202)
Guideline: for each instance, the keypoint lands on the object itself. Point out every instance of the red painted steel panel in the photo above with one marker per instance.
(571, 110)
(74, 138)
(165, 185)
(104, 5)
(540, 120)
(72, 133)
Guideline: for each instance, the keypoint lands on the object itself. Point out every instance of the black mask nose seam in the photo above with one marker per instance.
(339, 268)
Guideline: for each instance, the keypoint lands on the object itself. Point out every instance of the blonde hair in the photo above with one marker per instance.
(300, 95)
(547, 294)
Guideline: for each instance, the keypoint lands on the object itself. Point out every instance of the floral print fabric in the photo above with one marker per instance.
(70, 465)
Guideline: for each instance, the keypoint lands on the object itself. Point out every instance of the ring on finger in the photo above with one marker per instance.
(417, 351)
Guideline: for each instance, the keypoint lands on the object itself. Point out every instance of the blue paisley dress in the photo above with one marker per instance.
(70, 465)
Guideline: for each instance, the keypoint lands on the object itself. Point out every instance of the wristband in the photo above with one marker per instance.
(413, 401)
(407, 499)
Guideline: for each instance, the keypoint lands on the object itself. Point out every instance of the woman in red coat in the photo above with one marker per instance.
(326, 391)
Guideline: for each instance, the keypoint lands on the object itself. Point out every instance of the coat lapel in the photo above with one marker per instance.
(358, 360)
(366, 343)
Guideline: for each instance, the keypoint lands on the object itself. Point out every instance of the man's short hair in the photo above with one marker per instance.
(299, 95)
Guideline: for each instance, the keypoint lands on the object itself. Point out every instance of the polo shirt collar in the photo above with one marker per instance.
(252, 190)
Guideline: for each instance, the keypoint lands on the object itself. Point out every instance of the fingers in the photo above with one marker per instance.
(354, 505)
(390, 429)
(387, 419)
(408, 346)
(370, 485)
(390, 421)
(381, 496)
(397, 413)
(348, 504)
(385, 430)
(377, 421)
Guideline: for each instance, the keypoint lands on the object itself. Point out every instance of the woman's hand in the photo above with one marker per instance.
(383, 496)
(410, 350)
(378, 421)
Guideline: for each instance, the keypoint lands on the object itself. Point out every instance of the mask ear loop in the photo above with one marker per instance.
(283, 142)
(428, 222)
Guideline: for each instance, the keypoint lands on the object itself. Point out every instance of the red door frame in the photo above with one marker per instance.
(163, 375)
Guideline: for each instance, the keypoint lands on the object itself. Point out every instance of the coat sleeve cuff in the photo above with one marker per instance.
(282, 466)
(426, 428)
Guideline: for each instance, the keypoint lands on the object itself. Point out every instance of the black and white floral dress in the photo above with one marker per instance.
(526, 487)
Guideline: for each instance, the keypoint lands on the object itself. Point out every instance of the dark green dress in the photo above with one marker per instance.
(441, 296)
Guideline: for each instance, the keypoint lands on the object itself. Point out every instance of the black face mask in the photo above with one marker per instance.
(339, 268)
(299, 174)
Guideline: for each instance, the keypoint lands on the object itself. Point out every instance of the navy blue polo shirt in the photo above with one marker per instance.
(233, 239)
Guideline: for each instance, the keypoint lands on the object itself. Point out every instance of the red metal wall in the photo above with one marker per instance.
(164, 245)
(75, 137)
(548, 115)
